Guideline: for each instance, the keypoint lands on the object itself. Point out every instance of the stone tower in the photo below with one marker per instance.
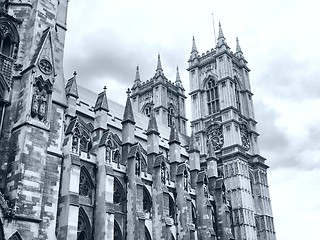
(32, 104)
(224, 126)
(167, 96)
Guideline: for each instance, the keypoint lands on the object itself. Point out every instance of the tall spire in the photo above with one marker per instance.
(137, 80)
(159, 71)
(220, 31)
(194, 51)
(178, 79)
(194, 47)
(221, 44)
(128, 113)
(238, 46)
(137, 75)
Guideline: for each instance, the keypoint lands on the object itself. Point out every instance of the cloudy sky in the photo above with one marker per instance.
(280, 40)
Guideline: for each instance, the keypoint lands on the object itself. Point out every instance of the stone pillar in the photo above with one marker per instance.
(69, 199)
(184, 211)
(104, 210)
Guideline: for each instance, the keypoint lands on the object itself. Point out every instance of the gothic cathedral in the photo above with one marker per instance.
(75, 165)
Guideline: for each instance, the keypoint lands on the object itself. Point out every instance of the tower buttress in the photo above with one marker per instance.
(167, 96)
(225, 129)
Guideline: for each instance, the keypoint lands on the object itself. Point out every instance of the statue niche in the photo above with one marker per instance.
(40, 99)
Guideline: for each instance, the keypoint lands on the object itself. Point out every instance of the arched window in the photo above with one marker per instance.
(237, 93)
(75, 141)
(6, 46)
(116, 157)
(147, 201)
(170, 116)
(251, 183)
(85, 185)
(171, 208)
(117, 235)
(194, 215)
(118, 196)
(147, 110)
(212, 97)
(84, 227)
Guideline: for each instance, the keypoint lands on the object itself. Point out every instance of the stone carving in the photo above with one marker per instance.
(244, 134)
(214, 137)
(40, 97)
(45, 66)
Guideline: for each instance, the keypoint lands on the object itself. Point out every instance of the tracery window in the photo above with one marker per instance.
(118, 196)
(85, 183)
(84, 227)
(170, 116)
(212, 97)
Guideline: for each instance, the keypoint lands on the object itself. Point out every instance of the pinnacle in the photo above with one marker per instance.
(128, 113)
(194, 47)
(137, 79)
(220, 31)
(238, 46)
(178, 79)
(159, 67)
(174, 135)
(152, 125)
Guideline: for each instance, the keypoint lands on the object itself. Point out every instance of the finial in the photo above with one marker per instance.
(159, 67)
(104, 88)
(194, 47)
(178, 79)
(238, 46)
(128, 92)
(75, 73)
(220, 31)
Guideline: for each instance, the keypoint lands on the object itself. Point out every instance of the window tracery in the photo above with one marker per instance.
(117, 231)
(84, 231)
(85, 184)
(212, 97)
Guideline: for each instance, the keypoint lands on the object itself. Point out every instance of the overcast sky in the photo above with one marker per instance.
(280, 40)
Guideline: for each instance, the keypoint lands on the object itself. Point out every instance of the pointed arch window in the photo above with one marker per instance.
(212, 92)
(117, 234)
(237, 93)
(138, 165)
(147, 201)
(172, 211)
(84, 227)
(85, 185)
(170, 116)
(118, 196)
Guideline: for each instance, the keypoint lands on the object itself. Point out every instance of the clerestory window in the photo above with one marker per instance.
(212, 97)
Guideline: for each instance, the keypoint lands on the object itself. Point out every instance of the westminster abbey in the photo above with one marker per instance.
(75, 165)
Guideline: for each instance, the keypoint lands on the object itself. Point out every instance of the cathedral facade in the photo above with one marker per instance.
(76, 165)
